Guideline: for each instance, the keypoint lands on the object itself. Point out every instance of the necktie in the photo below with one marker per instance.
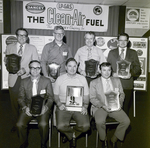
(122, 54)
(89, 54)
(107, 86)
(20, 51)
(34, 88)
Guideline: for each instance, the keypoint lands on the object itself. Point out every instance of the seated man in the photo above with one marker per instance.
(35, 85)
(100, 110)
(63, 116)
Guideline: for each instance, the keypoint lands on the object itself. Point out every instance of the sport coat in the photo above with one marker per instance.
(30, 53)
(97, 96)
(44, 90)
(135, 68)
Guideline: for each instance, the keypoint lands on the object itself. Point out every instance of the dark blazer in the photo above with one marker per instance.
(45, 90)
(135, 69)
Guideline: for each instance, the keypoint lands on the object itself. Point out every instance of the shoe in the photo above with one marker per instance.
(64, 139)
(73, 143)
(24, 145)
(43, 146)
(14, 129)
(113, 145)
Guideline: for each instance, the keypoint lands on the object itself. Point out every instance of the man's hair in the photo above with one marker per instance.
(21, 29)
(123, 34)
(34, 61)
(69, 60)
(58, 28)
(91, 33)
(104, 64)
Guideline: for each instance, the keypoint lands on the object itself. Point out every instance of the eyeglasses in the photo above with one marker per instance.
(22, 35)
(123, 40)
(58, 33)
(35, 68)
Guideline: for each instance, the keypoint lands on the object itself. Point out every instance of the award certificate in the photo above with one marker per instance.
(74, 99)
(112, 100)
(123, 69)
(53, 70)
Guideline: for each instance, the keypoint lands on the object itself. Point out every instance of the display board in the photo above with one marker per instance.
(138, 44)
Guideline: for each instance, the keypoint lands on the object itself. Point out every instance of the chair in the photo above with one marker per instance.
(34, 121)
(109, 121)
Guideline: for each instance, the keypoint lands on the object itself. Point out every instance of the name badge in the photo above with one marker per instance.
(43, 91)
(64, 53)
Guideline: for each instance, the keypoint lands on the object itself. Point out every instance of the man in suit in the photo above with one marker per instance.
(101, 108)
(27, 91)
(123, 52)
(27, 52)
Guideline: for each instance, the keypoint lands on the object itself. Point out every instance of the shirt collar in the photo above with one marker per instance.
(36, 78)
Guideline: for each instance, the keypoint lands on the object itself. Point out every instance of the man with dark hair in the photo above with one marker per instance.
(34, 86)
(27, 52)
(123, 52)
(55, 52)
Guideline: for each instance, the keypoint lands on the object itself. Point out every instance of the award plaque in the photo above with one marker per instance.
(13, 63)
(74, 98)
(36, 105)
(91, 68)
(123, 69)
(54, 70)
(112, 100)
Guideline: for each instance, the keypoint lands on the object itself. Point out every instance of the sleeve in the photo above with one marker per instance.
(77, 57)
(69, 53)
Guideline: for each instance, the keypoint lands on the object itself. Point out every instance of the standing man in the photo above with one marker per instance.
(55, 52)
(123, 52)
(89, 52)
(42, 88)
(27, 52)
(100, 109)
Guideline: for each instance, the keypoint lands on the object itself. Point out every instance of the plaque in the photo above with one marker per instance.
(13, 63)
(123, 69)
(91, 68)
(112, 100)
(74, 98)
(54, 70)
(36, 105)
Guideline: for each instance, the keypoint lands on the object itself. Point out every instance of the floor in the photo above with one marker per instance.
(138, 136)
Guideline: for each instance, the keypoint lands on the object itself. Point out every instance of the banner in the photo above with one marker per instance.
(75, 17)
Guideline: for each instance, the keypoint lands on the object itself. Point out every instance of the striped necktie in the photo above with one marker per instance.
(89, 54)
(107, 86)
(122, 54)
(20, 51)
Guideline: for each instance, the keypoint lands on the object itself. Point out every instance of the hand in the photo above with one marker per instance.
(27, 111)
(83, 73)
(44, 109)
(21, 72)
(106, 108)
(62, 107)
(52, 79)
(84, 111)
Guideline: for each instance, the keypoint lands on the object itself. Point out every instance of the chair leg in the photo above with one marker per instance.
(58, 139)
(97, 136)
(86, 141)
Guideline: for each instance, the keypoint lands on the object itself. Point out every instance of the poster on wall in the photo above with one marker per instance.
(138, 44)
(137, 18)
(37, 41)
(1, 16)
(75, 17)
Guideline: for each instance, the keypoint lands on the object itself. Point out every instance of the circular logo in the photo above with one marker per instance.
(133, 15)
(139, 52)
(97, 10)
(10, 40)
(112, 43)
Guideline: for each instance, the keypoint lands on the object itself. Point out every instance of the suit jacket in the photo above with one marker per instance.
(97, 96)
(25, 91)
(135, 68)
(30, 53)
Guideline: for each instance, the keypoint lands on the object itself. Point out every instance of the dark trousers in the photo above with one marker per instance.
(13, 91)
(43, 125)
(128, 100)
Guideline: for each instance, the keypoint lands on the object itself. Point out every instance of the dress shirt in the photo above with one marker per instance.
(125, 49)
(18, 47)
(104, 82)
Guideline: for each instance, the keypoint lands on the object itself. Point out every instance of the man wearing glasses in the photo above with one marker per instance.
(123, 52)
(55, 52)
(27, 52)
(34, 86)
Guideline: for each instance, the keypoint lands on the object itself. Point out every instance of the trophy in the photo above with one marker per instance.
(36, 105)
(91, 68)
(123, 69)
(74, 99)
(54, 70)
(13, 63)
(112, 100)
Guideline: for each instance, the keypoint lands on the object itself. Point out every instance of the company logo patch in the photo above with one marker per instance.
(133, 15)
(97, 10)
(65, 6)
(35, 7)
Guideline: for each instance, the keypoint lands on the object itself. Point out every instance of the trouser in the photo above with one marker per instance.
(63, 122)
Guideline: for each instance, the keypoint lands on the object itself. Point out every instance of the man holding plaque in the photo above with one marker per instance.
(71, 83)
(35, 99)
(56, 52)
(125, 64)
(89, 57)
(18, 56)
(107, 96)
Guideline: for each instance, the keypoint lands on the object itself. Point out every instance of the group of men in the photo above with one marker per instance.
(28, 82)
